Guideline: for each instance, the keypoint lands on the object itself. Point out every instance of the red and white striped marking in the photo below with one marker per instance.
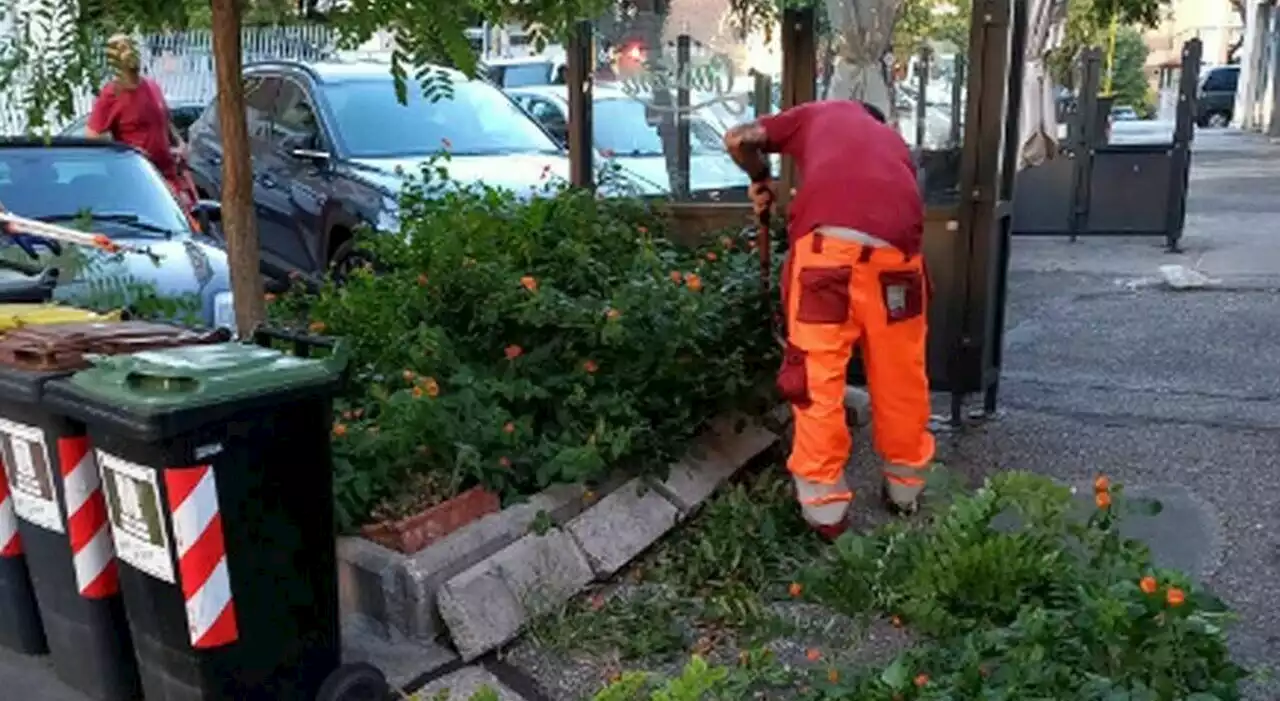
(10, 541)
(202, 556)
(92, 554)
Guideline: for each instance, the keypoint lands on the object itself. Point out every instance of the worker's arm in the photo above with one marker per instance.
(749, 144)
(103, 115)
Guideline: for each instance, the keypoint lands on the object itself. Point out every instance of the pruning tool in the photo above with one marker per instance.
(777, 322)
(21, 229)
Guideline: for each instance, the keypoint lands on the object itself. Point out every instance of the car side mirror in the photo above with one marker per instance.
(208, 214)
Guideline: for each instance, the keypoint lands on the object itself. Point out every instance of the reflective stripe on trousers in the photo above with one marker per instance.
(839, 293)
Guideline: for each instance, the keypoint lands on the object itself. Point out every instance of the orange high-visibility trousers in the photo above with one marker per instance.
(839, 293)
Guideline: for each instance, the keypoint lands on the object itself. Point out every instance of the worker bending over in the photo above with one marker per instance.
(854, 274)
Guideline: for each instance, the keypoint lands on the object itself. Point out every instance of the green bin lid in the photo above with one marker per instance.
(158, 381)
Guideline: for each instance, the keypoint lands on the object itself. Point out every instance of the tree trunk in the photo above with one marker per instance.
(238, 222)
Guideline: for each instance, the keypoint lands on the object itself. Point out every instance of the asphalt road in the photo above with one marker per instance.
(1171, 392)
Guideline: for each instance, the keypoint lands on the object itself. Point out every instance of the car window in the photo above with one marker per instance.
(520, 75)
(545, 111)
(41, 182)
(619, 125)
(477, 119)
(294, 122)
(259, 99)
(1222, 80)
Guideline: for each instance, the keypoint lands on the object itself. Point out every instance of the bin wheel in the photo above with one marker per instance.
(355, 682)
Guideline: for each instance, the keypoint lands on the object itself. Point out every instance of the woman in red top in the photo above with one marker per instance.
(131, 109)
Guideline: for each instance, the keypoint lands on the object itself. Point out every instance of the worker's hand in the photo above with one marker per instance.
(762, 195)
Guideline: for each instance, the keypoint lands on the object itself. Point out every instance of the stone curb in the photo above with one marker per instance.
(595, 534)
(487, 605)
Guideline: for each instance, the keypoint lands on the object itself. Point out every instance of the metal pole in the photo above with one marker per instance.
(922, 97)
(579, 73)
(681, 188)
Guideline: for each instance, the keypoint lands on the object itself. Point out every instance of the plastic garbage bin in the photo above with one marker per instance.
(55, 490)
(217, 471)
(20, 627)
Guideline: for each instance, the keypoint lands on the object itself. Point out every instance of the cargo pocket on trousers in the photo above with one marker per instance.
(903, 292)
(793, 378)
(824, 295)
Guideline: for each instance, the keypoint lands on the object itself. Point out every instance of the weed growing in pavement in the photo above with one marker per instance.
(1019, 591)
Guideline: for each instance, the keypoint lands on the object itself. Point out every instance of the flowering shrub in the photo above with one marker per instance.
(519, 343)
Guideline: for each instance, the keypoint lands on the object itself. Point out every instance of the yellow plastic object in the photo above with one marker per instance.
(13, 316)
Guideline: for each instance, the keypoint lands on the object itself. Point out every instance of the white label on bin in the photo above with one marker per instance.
(24, 452)
(137, 516)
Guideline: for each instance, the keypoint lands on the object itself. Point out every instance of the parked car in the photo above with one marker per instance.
(115, 190)
(621, 126)
(1216, 100)
(182, 113)
(332, 146)
(1124, 113)
(521, 72)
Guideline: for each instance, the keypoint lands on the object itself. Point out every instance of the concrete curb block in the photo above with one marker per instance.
(488, 605)
(483, 583)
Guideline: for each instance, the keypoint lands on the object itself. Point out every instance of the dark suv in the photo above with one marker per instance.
(331, 144)
(1217, 99)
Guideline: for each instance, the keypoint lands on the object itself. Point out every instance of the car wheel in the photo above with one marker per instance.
(345, 260)
(1219, 120)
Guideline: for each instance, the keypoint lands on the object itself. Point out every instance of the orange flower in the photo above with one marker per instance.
(422, 280)
(1175, 597)
(676, 276)
(417, 393)
(796, 589)
(504, 461)
(590, 367)
(268, 298)
(509, 428)
(833, 675)
(1148, 585)
(408, 375)
(317, 327)
(339, 430)
(1103, 500)
(612, 314)
(431, 387)
(922, 679)
(813, 654)
(711, 256)
(513, 351)
(529, 283)
(897, 622)
(693, 281)
(1102, 484)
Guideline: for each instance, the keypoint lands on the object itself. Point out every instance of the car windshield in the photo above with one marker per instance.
(477, 120)
(620, 126)
(518, 75)
(61, 183)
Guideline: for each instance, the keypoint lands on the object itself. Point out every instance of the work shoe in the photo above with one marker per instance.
(831, 532)
(825, 507)
(902, 499)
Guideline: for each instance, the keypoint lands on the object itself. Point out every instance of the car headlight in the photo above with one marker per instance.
(224, 311)
(388, 216)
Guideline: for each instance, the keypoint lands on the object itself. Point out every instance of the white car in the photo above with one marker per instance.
(622, 132)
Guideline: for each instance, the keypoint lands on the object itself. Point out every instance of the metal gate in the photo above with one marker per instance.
(1096, 188)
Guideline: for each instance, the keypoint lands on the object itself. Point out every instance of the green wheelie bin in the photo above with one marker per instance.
(218, 476)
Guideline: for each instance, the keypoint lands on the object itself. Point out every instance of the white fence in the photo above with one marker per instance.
(182, 62)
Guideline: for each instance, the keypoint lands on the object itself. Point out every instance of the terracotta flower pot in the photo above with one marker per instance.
(413, 533)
